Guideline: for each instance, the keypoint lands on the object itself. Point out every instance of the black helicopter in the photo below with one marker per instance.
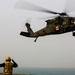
(63, 23)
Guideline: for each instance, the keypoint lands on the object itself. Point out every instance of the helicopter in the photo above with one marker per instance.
(62, 23)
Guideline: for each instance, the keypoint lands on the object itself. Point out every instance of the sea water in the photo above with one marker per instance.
(44, 71)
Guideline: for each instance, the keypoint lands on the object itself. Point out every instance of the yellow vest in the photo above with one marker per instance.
(8, 68)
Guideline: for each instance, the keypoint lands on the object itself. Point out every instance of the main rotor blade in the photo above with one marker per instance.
(48, 17)
(29, 6)
(70, 6)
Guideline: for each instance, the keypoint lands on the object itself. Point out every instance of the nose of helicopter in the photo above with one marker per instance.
(73, 21)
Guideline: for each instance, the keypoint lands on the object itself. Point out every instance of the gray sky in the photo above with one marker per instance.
(49, 51)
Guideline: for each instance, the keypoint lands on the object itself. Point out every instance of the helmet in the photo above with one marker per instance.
(8, 58)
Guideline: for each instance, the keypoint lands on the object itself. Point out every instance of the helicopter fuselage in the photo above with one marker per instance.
(57, 25)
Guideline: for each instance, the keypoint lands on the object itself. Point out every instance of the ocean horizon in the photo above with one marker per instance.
(44, 71)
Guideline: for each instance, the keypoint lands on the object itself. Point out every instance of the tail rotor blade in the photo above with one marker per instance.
(28, 20)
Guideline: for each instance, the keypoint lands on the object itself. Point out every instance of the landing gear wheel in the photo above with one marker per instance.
(73, 33)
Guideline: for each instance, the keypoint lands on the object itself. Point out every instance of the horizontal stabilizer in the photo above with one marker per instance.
(25, 34)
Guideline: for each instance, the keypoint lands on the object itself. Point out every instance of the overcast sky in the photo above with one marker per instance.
(53, 51)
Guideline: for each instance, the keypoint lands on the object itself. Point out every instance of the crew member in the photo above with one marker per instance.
(8, 66)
